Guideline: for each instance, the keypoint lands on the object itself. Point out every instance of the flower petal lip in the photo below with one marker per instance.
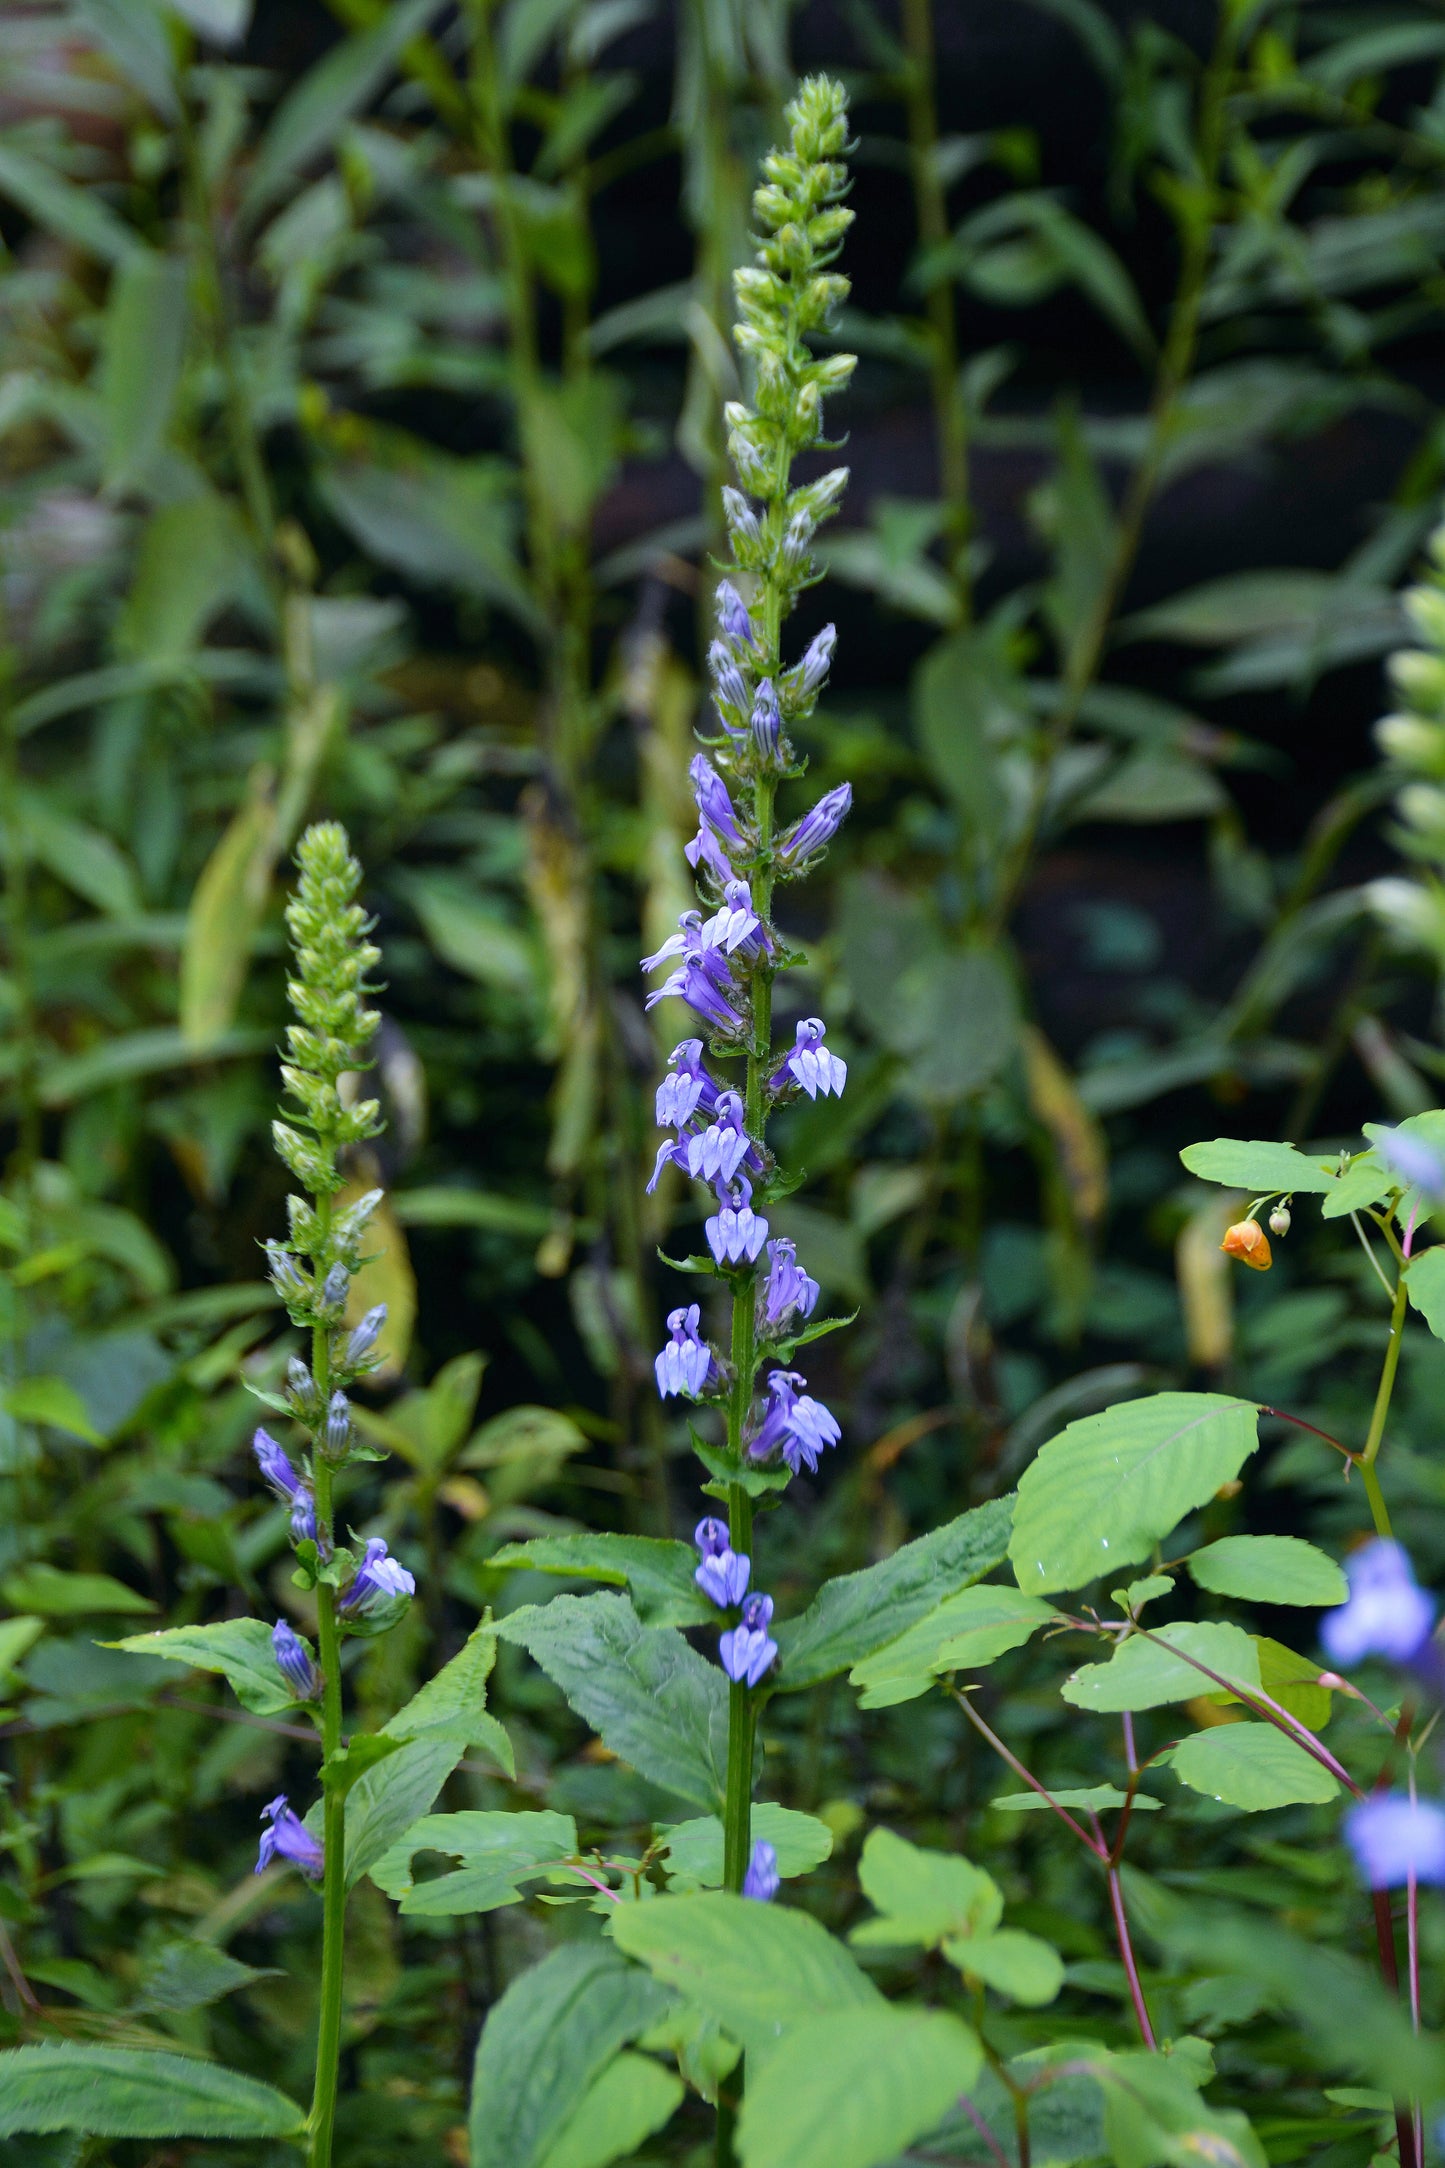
(1247, 1241)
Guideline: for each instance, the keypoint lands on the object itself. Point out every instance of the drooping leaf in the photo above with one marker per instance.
(855, 2088)
(122, 2093)
(495, 1853)
(633, 2097)
(225, 912)
(1107, 1489)
(858, 1613)
(651, 1698)
(545, 2044)
(90, 863)
(470, 934)
(695, 1849)
(656, 1572)
(191, 1975)
(238, 1648)
(1269, 1569)
(966, 1632)
(1253, 1766)
(1261, 1168)
(921, 1896)
(54, 1403)
(1145, 1672)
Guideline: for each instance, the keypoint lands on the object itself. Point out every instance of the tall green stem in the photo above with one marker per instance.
(1383, 1396)
(333, 1891)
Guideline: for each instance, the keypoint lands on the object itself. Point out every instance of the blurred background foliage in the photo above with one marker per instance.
(361, 370)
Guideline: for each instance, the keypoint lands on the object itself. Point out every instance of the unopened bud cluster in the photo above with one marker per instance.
(1413, 740)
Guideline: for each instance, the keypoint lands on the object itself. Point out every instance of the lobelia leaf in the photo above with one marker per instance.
(859, 1613)
(389, 1797)
(193, 1975)
(341, 1770)
(695, 1849)
(1111, 1486)
(494, 1851)
(1269, 1569)
(657, 1573)
(966, 1631)
(758, 1969)
(238, 1648)
(633, 2097)
(546, 2043)
(1253, 1766)
(128, 2093)
(1145, 1672)
(54, 1403)
(923, 1896)
(1261, 1168)
(855, 2087)
(658, 1704)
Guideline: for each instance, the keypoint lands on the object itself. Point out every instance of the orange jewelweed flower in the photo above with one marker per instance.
(1247, 1241)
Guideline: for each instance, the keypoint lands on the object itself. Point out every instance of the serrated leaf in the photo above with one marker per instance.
(633, 2097)
(657, 1572)
(387, 1799)
(695, 1849)
(967, 1631)
(495, 1852)
(192, 1975)
(238, 1648)
(658, 1704)
(1259, 1167)
(122, 2093)
(1252, 1766)
(1111, 1486)
(1269, 1569)
(1145, 1671)
(921, 1896)
(1016, 1964)
(854, 2088)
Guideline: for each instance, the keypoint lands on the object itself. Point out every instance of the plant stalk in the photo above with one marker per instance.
(322, 2120)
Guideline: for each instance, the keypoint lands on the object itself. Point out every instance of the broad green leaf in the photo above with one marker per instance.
(1145, 1672)
(657, 1573)
(1074, 513)
(447, 523)
(43, 1588)
(967, 1630)
(194, 558)
(1020, 1965)
(132, 1054)
(1239, 606)
(1153, 786)
(758, 1969)
(1291, 1680)
(469, 934)
(495, 1851)
(855, 2088)
(1153, 2113)
(959, 1018)
(225, 911)
(386, 1800)
(142, 349)
(1269, 1569)
(453, 1702)
(967, 704)
(127, 2093)
(1260, 1168)
(695, 1849)
(239, 1648)
(1107, 1489)
(632, 2098)
(546, 2043)
(1425, 1285)
(858, 1613)
(53, 1403)
(1093, 1797)
(88, 862)
(77, 215)
(922, 1896)
(192, 1975)
(658, 1704)
(341, 1770)
(1253, 1766)
(456, 1207)
(1365, 1181)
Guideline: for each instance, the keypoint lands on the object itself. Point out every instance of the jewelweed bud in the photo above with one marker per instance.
(1279, 1220)
(1247, 1241)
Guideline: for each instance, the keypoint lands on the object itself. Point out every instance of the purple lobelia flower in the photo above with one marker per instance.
(815, 829)
(686, 1364)
(705, 850)
(1412, 1159)
(732, 615)
(686, 1087)
(1396, 1840)
(293, 1661)
(728, 686)
(807, 676)
(735, 924)
(366, 1335)
(377, 1582)
(289, 1838)
(714, 804)
(811, 1066)
(748, 1651)
(716, 1154)
(1386, 1614)
(762, 1879)
(766, 722)
(290, 1283)
(795, 1425)
(788, 1291)
(723, 1573)
(303, 1516)
(275, 1465)
(705, 989)
(672, 1153)
(685, 942)
(736, 1233)
(336, 1437)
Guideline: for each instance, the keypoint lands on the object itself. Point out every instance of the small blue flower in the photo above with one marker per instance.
(365, 1337)
(303, 1516)
(1386, 1614)
(704, 987)
(732, 615)
(1395, 1838)
(300, 1385)
(815, 829)
(686, 1087)
(735, 924)
(762, 1879)
(334, 1289)
(289, 1838)
(275, 1465)
(728, 686)
(723, 1573)
(736, 1233)
(377, 1582)
(719, 1150)
(766, 722)
(686, 1364)
(705, 850)
(337, 1434)
(293, 1661)
(788, 1291)
(290, 1283)
(804, 680)
(748, 1651)
(1413, 1160)
(687, 941)
(713, 802)
(795, 1425)
(811, 1067)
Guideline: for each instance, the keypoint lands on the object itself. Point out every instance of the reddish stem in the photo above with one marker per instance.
(1126, 1951)
(1097, 1846)
(1282, 1415)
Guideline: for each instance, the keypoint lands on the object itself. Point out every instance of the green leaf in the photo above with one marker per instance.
(135, 39)
(633, 2097)
(1425, 1286)
(77, 215)
(1269, 1569)
(495, 1852)
(658, 1704)
(854, 2088)
(858, 1613)
(452, 1703)
(447, 523)
(1239, 606)
(1153, 786)
(131, 1054)
(387, 1799)
(469, 934)
(757, 1969)
(966, 1631)
(124, 2093)
(50, 1401)
(83, 858)
(1260, 1168)
(968, 704)
(194, 558)
(1153, 2113)
(1145, 1673)
(454, 1207)
(658, 1573)
(1020, 1965)
(1094, 1798)
(238, 1648)
(340, 1771)
(192, 1975)
(546, 2043)
(695, 1849)
(1253, 1766)
(225, 911)
(922, 1896)
(1111, 1486)
(17, 1635)
(142, 350)
(54, 1594)
(1365, 1181)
